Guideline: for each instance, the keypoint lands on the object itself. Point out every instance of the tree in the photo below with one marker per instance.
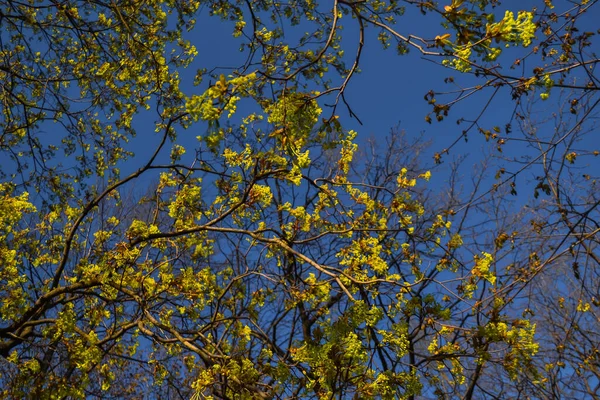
(562, 234)
(273, 258)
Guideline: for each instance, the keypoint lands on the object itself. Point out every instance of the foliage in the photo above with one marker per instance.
(273, 256)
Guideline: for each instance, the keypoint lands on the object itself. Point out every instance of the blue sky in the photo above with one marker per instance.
(388, 92)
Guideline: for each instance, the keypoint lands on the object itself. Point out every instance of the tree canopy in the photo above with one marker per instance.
(174, 229)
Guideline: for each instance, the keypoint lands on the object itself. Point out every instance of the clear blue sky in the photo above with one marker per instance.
(388, 92)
